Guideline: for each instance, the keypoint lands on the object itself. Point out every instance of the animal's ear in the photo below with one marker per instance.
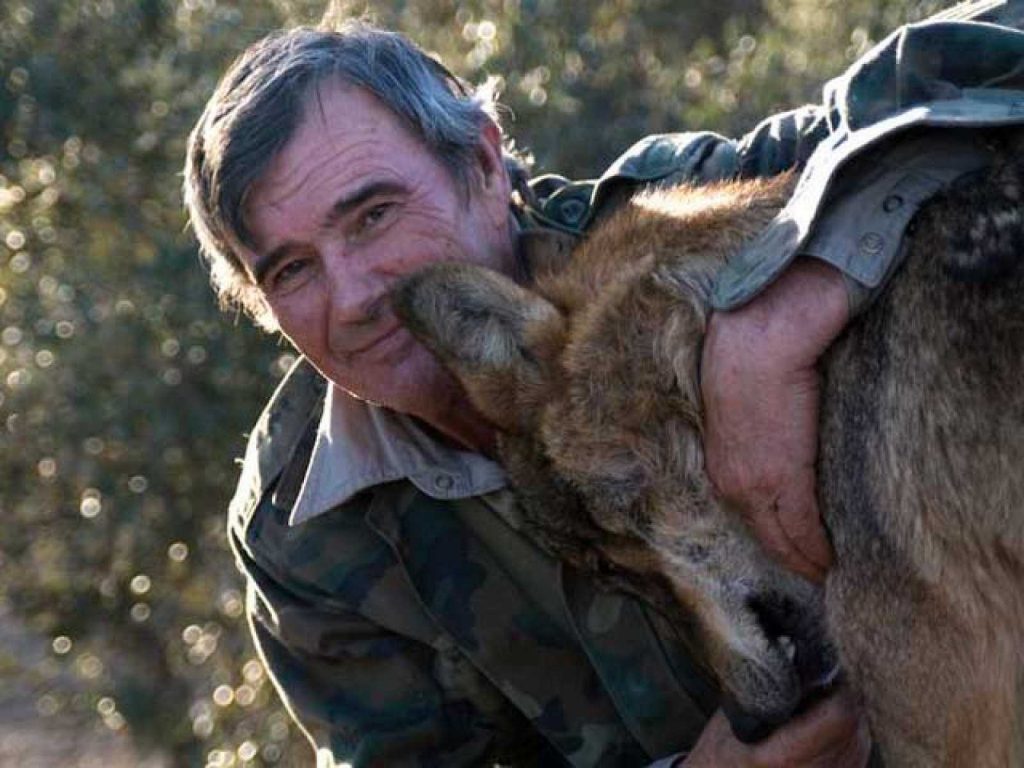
(497, 338)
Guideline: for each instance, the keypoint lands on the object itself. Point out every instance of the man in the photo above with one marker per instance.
(403, 617)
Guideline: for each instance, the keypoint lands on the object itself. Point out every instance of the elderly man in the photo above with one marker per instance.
(403, 617)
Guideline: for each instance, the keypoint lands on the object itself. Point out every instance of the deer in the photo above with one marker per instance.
(589, 372)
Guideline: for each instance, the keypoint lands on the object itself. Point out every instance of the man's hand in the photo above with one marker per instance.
(760, 390)
(832, 734)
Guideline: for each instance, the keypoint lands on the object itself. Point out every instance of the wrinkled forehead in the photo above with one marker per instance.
(344, 137)
(333, 117)
(335, 106)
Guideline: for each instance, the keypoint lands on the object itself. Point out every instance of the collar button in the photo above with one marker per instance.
(443, 482)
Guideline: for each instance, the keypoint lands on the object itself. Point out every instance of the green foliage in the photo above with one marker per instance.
(124, 395)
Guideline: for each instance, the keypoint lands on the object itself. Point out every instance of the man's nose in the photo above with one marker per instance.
(354, 303)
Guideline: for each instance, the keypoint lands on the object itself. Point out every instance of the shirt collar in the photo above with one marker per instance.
(359, 445)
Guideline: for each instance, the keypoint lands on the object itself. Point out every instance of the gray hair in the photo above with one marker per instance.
(259, 103)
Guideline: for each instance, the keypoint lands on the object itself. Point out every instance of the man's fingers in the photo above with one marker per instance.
(768, 526)
(801, 522)
(833, 728)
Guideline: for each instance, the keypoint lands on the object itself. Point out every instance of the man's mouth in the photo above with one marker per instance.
(380, 342)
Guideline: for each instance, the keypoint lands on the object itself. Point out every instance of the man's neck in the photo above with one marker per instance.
(455, 419)
(477, 436)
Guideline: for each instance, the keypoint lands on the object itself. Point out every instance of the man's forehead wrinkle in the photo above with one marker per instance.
(276, 185)
(333, 143)
(327, 126)
(345, 142)
(287, 174)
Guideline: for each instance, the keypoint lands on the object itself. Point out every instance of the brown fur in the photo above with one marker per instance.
(591, 375)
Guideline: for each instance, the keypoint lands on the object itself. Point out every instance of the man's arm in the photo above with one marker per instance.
(759, 383)
(367, 696)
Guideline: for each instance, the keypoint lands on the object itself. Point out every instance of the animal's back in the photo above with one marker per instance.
(922, 485)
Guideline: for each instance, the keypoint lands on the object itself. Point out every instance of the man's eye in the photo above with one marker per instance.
(288, 275)
(374, 215)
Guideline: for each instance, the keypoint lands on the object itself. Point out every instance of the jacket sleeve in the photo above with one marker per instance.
(939, 75)
(781, 142)
(777, 144)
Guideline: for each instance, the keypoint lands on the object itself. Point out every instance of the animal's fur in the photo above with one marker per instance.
(591, 376)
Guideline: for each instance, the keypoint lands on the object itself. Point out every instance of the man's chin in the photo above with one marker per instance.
(419, 386)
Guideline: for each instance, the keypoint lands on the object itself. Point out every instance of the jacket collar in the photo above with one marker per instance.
(359, 445)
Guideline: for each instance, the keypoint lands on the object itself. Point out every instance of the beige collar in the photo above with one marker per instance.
(359, 445)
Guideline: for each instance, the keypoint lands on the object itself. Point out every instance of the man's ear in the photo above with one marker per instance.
(490, 156)
(497, 338)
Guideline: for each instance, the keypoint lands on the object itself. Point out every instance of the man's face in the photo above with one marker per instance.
(353, 203)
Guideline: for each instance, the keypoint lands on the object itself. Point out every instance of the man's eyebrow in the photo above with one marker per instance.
(265, 264)
(351, 201)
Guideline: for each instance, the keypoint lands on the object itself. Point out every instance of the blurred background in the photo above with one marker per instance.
(125, 395)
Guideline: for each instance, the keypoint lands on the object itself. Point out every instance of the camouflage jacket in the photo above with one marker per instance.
(406, 621)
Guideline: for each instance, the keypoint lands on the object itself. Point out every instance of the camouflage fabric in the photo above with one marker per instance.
(402, 629)
(777, 144)
(406, 630)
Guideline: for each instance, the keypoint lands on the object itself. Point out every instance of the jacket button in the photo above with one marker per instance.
(892, 203)
(444, 482)
(572, 210)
